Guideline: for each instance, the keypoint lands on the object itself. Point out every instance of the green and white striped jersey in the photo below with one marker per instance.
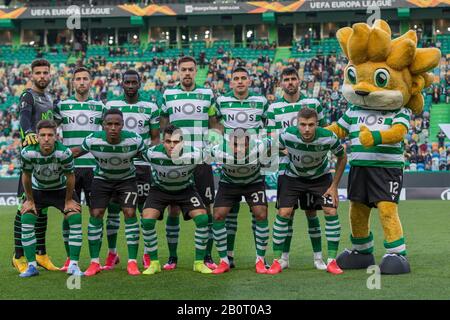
(172, 174)
(282, 114)
(189, 111)
(309, 159)
(383, 155)
(78, 120)
(48, 172)
(249, 113)
(240, 169)
(140, 118)
(114, 161)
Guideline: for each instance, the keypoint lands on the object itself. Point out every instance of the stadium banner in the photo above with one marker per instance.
(253, 7)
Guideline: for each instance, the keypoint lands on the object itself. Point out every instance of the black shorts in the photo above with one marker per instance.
(369, 185)
(309, 192)
(204, 183)
(83, 181)
(51, 198)
(124, 191)
(187, 199)
(143, 181)
(228, 194)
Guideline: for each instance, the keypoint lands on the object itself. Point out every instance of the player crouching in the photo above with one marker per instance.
(49, 181)
(307, 179)
(173, 166)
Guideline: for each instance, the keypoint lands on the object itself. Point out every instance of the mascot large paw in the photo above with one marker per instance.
(352, 259)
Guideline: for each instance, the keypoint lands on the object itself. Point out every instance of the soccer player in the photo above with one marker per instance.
(240, 109)
(114, 176)
(190, 108)
(142, 117)
(35, 105)
(241, 160)
(281, 115)
(307, 179)
(79, 116)
(173, 166)
(48, 179)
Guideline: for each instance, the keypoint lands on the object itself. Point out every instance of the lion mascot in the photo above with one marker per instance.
(383, 83)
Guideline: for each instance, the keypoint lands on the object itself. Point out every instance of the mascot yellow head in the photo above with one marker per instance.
(385, 74)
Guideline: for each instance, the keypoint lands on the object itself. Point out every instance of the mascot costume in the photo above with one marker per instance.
(383, 85)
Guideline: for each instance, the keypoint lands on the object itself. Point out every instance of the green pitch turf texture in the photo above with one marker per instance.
(427, 234)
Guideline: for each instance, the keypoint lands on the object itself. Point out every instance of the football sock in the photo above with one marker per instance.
(150, 237)
(75, 236)
(262, 237)
(201, 236)
(333, 234)
(112, 225)
(172, 234)
(231, 227)
(132, 235)
(280, 232)
(287, 241)
(95, 229)
(18, 249)
(41, 229)
(220, 238)
(210, 235)
(65, 232)
(314, 233)
(29, 236)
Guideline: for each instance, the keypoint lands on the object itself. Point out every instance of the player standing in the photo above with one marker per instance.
(48, 179)
(114, 176)
(307, 179)
(142, 117)
(35, 104)
(79, 116)
(240, 109)
(189, 107)
(281, 115)
(173, 167)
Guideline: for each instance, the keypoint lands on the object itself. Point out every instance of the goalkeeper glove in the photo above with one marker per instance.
(30, 139)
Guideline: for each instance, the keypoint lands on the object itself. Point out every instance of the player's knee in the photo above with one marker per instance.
(311, 213)
(260, 213)
(219, 215)
(129, 212)
(201, 220)
(330, 211)
(285, 212)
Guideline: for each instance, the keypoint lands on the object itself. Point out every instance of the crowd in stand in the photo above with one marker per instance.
(322, 78)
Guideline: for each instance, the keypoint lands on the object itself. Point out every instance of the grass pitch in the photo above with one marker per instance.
(426, 230)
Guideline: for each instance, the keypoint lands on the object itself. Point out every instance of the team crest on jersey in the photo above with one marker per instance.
(253, 104)
(102, 148)
(161, 162)
(91, 107)
(200, 96)
(319, 147)
(70, 107)
(141, 109)
(126, 149)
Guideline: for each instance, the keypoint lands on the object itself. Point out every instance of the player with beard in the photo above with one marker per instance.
(281, 115)
(79, 115)
(35, 104)
(190, 108)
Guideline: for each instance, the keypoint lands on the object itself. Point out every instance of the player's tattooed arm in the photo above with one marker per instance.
(28, 206)
(78, 152)
(70, 205)
(163, 122)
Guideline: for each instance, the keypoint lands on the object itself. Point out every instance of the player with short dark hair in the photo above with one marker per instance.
(282, 114)
(190, 107)
(241, 158)
(142, 117)
(307, 180)
(240, 109)
(48, 180)
(35, 104)
(79, 116)
(114, 176)
(173, 164)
